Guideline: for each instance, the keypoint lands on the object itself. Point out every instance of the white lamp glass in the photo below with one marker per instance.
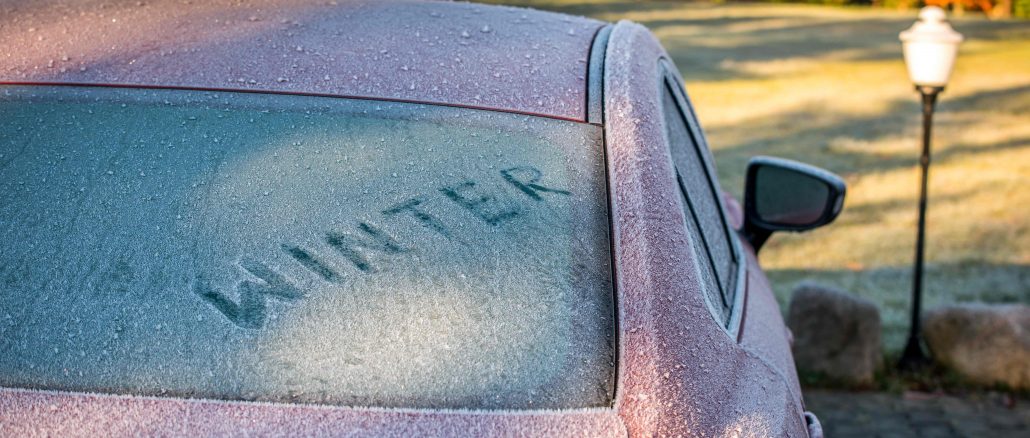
(930, 46)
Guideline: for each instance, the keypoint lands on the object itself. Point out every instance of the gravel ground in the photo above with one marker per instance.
(913, 414)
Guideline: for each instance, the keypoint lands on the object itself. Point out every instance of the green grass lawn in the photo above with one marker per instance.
(828, 86)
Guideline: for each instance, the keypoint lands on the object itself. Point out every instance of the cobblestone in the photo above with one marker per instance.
(877, 414)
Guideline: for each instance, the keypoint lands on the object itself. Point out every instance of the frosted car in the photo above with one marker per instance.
(386, 219)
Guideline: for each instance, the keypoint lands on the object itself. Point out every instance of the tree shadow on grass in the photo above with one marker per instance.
(711, 46)
(878, 212)
(806, 38)
(805, 135)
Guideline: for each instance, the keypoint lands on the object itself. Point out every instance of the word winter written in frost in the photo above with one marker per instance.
(250, 309)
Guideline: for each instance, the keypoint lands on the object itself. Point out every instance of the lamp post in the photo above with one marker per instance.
(929, 46)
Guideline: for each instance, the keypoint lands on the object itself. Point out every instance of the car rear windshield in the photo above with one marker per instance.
(306, 249)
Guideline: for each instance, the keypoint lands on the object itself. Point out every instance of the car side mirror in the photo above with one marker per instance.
(785, 195)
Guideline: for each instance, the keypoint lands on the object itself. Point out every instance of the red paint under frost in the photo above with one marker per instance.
(505, 58)
(679, 372)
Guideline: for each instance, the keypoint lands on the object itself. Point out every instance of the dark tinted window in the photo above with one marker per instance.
(705, 220)
(302, 249)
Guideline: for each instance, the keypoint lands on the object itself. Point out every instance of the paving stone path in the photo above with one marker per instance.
(877, 414)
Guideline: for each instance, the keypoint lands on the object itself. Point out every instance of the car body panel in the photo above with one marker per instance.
(46, 413)
(680, 372)
(765, 332)
(503, 58)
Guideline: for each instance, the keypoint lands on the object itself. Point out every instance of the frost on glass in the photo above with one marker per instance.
(302, 249)
(705, 221)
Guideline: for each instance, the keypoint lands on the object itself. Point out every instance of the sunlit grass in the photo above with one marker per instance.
(828, 86)
(860, 117)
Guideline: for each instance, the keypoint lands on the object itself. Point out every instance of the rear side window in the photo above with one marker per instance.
(302, 249)
(710, 235)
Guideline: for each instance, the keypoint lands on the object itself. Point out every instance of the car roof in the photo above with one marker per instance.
(503, 58)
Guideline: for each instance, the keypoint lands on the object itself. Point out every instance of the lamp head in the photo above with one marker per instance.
(930, 46)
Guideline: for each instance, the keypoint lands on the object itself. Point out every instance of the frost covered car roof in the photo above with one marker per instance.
(503, 58)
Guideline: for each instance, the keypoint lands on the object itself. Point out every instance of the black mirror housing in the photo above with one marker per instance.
(785, 195)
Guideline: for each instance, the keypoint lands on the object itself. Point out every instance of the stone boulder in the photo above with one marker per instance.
(836, 334)
(986, 343)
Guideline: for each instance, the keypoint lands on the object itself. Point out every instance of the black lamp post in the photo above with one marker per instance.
(930, 46)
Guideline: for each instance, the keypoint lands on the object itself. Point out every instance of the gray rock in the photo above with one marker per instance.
(986, 343)
(835, 333)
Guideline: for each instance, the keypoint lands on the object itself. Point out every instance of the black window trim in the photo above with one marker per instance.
(669, 77)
